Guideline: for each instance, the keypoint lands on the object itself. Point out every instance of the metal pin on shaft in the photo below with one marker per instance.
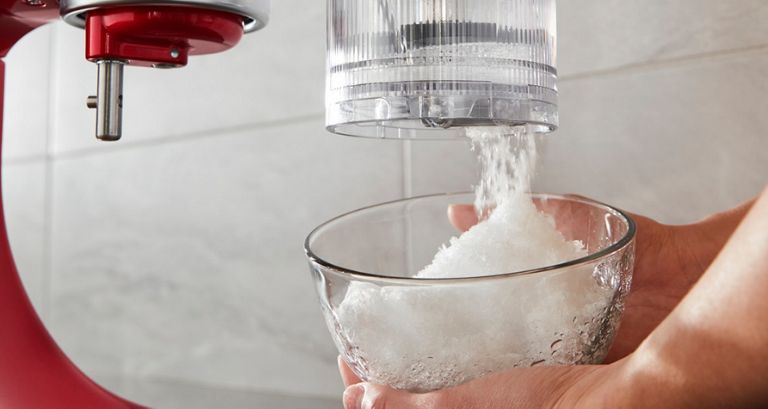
(108, 101)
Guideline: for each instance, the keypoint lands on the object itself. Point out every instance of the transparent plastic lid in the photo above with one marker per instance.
(431, 68)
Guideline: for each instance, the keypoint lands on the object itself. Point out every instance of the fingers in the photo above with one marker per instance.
(360, 395)
(353, 396)
(369, 396)
(462, 216)
(347, 376)
(529, 388)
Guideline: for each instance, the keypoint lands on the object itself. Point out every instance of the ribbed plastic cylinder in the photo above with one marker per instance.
(432, 68)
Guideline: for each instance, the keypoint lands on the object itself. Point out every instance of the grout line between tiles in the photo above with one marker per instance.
(112, 147)
(663, 63)
(407, 153)
(24, 159)
(53, 75)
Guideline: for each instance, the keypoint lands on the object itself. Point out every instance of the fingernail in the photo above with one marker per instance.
(353, 397)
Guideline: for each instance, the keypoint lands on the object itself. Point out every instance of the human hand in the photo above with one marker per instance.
(669, 261)
(570, 387)
(686, 362)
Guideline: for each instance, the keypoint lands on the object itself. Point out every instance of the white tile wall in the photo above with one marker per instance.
(25, 130)
(184, 260)
(23, 187)
(26, 116)
(172, 261)
(608, 34)
(676, 142)
(441, 166)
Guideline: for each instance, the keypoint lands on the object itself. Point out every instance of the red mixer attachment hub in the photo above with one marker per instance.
(159, 36)
(151, 36)
(34, 372)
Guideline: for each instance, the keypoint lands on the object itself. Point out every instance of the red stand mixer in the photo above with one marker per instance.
(34, 372)
(403, 69)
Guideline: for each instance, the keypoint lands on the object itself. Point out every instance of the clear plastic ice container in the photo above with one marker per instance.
(429, 68)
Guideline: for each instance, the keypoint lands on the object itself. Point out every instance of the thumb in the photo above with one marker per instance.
(370, 396)
(529, 388)
(462, 216)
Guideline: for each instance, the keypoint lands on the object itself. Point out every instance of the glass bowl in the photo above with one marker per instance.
(421, 334)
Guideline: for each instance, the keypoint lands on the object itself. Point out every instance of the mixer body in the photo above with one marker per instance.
(34, 372)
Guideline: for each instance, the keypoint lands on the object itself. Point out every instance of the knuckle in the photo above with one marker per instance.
(378, 401)
(444, 399)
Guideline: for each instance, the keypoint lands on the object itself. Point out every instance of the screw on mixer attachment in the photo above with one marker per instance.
(108, 101)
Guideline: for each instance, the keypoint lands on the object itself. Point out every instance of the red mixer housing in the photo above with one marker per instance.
(34, 372)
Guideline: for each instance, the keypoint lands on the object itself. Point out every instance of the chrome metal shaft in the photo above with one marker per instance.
(109, 100)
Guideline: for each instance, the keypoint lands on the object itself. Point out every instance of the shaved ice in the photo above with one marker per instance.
(423, 338)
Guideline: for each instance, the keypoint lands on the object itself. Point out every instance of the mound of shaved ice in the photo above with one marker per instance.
(423, 338)
(515, 237)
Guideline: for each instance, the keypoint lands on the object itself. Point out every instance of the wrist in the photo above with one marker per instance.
(656, 376)
(626, 384)
(711, 233)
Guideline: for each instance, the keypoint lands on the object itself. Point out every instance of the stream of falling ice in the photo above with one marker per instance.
(507, 157)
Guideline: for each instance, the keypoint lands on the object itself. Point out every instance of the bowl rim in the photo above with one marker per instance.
(626, 240)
